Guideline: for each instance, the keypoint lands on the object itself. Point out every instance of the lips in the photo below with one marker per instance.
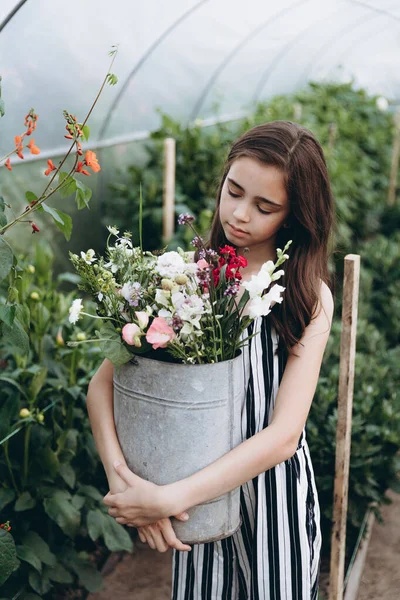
(236, 229)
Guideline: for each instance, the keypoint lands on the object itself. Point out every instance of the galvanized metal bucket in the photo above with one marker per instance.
(173, 420)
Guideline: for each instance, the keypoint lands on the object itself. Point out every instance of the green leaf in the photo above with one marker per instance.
(34, 542)
(30, 196)
(16, 338)
(48, 460)
(91, 492)
(94, 523)
(68, 474)
(86, 132)
(18, 387)
(37, 383)
(6, 258)
(7, 313)
(24, 502)
(8, 555)
(53, 212)
(66, 227)
(115, 536)
(83, 195)
(62, 511)
(58, 573)
(69, 186)
(88, 575)
(3, 218)
(112, 345)
(27, 555)
(39, 583)
(2, 107)
(7, 495)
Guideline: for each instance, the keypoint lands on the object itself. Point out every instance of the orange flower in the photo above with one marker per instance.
(17, 140)
(19, 151)
(34, 149)
(91, 161)
(8, 165)
(50, 167)
(80, 169)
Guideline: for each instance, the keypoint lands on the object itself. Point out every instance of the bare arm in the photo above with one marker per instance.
(100, 408)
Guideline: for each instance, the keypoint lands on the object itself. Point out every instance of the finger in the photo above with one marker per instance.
(159, 541)
(149, 539)
(121, 520)
(182, 516)
(171, 539)
(142, 537)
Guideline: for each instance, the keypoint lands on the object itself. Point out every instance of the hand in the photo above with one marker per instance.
(142, 503)
(161, 536)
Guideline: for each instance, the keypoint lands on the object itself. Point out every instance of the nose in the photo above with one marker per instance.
(241, 212)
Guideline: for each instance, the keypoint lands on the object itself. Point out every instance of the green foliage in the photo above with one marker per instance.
(46, 455)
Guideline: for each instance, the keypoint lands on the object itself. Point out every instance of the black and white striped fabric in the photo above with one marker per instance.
(275, 555)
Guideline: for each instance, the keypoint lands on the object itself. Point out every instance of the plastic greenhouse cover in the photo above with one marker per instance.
(182, 56)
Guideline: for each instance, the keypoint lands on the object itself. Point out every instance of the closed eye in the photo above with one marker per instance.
(264, 212)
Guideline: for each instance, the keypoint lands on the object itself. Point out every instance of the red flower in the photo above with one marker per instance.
(228, 250)
(50, 167)
(34, 149)
(35, 228)
(80, 169)
(91, 161)
(8, 165)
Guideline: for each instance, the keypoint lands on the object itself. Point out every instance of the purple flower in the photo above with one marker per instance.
(197, 242)
(177, 323)
(232, 289)
(185, 219)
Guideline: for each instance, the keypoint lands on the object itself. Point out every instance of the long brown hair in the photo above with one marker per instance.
(295, 151)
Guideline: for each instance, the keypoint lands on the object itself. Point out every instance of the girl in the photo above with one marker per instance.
(274, 187)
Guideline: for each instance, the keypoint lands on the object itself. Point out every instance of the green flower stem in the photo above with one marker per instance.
(72, 369)
(26, 453)
(10, 467)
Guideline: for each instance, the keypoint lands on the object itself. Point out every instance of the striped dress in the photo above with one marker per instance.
(275, 554)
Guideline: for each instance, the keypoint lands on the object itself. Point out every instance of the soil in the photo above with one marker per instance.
(146, 574)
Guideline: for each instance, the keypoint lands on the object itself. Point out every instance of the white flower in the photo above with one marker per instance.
(75, 311)
(162, 297)
(112, 266)
(131, 292)
(100, 296)
(170, 264)
(258, 283)
(88, 256)
(382, 103)
(278, 274)
(261, 306)
(113, 230)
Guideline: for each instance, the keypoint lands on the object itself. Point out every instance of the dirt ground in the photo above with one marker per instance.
(146, 574)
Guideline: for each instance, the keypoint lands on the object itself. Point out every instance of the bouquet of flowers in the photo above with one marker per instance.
(165, 300)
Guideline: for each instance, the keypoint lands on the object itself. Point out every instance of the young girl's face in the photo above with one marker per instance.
(254, 204)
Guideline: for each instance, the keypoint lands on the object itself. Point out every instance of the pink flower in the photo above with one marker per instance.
(131, 334)
(202, 263)
(159, 333)
(143, 319)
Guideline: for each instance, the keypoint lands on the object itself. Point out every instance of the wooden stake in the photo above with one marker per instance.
(169, 190)
(395, 160)
(343, 429)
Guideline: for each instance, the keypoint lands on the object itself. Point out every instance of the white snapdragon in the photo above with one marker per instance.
(261, 305)
(170, 264)
(75, 311)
